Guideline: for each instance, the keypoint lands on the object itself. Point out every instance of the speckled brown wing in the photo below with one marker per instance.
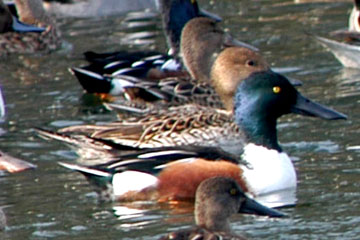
(183, 125)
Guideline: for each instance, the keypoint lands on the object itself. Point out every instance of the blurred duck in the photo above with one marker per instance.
(249, 133)
(13, 165)
(34, 31)
(348, 53)
(100, 75)
(8, 163)
(201, 41)
(217, 199)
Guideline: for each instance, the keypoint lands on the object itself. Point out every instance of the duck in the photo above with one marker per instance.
(347, 52)
(199, 87)
(216, 200)
(249, 134)
(104, 176)
(14, 165)
(33, 32)
(7, 162)
(99, 76)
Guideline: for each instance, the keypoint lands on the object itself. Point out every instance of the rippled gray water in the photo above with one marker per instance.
(54, 203)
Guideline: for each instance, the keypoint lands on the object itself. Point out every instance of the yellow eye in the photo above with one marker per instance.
(276, 89)
(193, 1)
(233, 191)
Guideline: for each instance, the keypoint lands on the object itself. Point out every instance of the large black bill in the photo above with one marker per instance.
(253, 207)
(307, 107)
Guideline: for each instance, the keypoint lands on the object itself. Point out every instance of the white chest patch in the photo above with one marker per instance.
(132, 181)
(268, 170)
(119, 85)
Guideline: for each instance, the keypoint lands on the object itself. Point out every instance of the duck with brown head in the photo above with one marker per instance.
(217, 199)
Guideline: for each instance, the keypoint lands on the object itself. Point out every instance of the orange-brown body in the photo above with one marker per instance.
(179, 181)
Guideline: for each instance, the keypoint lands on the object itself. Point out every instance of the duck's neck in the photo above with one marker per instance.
(175, 14)
(259, 127)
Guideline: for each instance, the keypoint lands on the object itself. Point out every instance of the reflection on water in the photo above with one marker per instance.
(51, 202)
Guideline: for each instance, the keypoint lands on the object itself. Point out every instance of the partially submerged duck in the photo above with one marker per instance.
(348, 50)
(217, 199)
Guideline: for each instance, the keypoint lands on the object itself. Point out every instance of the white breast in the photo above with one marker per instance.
(268, 170)
(132, 181)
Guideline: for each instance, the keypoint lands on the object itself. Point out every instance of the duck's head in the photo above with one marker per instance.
(175, 14)
(233, 65)
(265, 96)
(218, 198)
(202, 39)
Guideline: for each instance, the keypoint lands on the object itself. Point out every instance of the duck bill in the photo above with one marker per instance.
(204, 13)
(23, 27)
(229, 41)
(295, 82)
(306, 107)
(253, 207)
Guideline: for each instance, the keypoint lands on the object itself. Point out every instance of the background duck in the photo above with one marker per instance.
(175, 14)
(201, 41)
(348, 52)
(7, 162)
(43, 36)
(216, 200)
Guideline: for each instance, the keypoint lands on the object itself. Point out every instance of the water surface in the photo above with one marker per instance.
(54, 203)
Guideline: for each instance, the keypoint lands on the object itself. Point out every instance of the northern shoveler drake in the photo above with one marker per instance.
(348, 52)
(34, 31)
(217, 199)
(250, 133)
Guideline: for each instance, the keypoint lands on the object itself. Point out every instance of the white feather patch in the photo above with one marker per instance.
(268, 170)
(132, 181)
(119, 85)
(171, 65)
